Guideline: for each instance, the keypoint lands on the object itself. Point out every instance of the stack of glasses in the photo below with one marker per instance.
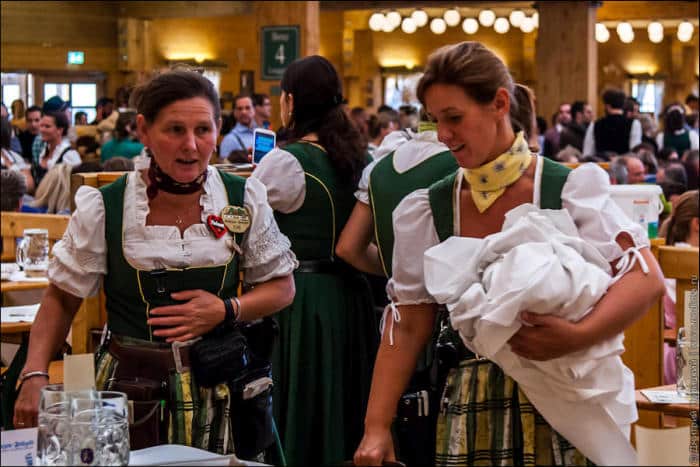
(83, 427)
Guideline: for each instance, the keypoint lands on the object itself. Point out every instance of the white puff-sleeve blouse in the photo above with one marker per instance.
(80, 257)
(585, 196)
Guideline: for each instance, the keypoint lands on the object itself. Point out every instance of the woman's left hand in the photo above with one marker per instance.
(546, 338)
(199, 315)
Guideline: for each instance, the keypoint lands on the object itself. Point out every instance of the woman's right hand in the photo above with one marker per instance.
(27, 404)
(375, 448)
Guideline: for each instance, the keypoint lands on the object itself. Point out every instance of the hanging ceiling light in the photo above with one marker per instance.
(376, 21)
(625, 32)
(438, 25)
(516, 18)
(536, 19)
(601, 33)
(452, 17)
(487, 17)
(420, 17)
(408, 25)
(527, 25)
(387, 27)
(656, 32)
(470, 25)
(394, 18)
(501, 25)
(685, 31)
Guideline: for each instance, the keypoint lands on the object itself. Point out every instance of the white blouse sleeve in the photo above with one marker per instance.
(362, 193)
(266, 250)
(80, 257)
(72, 157)
(414, 233)
(284, 178)
(598, 218)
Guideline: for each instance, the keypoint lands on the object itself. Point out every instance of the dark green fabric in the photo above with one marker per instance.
(554, 176)
(440, 198)
(680, 143)
(387, 188)
(314, 228)
(131, 293)
(322, 365)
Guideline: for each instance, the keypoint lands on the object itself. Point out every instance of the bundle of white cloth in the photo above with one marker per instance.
(538, 263)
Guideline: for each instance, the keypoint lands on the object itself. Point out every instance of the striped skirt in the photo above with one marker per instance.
(199, 417)
(485, 419)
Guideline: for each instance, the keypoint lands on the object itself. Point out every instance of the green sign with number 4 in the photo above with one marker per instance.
(280, 47)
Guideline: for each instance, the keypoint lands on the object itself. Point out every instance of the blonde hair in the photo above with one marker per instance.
(471, 66)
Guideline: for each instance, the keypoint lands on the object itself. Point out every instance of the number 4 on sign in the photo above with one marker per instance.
(279, 55)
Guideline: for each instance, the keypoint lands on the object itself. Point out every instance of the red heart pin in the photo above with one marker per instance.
(216, 225)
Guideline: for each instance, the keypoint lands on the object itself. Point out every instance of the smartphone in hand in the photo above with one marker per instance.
(263, 142)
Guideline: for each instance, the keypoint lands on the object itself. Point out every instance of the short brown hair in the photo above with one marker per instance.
(471, 66)
(523, 115)
(162, 90)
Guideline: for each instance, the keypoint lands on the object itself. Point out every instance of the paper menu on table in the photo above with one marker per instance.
(19, 447)
(78, 372)
(18, 314)
(665, 397)
(175, 454)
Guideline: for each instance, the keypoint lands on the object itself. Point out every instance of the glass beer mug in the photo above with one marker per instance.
(33, 252)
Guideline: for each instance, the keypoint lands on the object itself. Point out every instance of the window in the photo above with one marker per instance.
(649, 93)
(82, 96)
(400, 89)
(10, 92)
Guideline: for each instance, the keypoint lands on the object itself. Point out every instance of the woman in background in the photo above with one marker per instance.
(125, 143)
(328, 336)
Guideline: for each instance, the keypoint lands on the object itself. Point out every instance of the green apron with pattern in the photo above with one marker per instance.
(199, 416)
(322, 365)
(485, 419)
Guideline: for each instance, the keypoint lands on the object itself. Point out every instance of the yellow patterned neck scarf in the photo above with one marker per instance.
(489, 181)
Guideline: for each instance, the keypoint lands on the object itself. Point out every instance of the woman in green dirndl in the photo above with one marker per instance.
(328, 336)
(485, 418)
(163, 243)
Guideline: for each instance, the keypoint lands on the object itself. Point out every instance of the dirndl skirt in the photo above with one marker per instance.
(198, 417)
(485, 419)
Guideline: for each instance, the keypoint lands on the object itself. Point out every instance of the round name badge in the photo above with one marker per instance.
(236, 218)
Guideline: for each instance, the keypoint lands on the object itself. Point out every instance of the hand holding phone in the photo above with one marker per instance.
(263, 142)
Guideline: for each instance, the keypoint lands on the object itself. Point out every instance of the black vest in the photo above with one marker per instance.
(612, 133)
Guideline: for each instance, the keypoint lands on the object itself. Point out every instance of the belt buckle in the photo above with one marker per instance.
(176, 346)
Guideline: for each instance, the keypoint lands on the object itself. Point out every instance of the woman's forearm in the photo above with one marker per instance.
(267, 298)
(395, 363)
(50, 327)
(625, 302)
(355, 243)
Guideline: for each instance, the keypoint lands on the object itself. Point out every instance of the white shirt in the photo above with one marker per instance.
(284, 178)
(410, 149)
(80, 258)
(71, 157)
(17, 162)
(589, 148)
(585, 196)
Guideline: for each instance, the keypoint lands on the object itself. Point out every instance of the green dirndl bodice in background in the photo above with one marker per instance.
(199, 417)
(485, 419)
(322, 365)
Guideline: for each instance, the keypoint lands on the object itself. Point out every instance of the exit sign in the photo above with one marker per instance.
(76, 57)
(280, 47)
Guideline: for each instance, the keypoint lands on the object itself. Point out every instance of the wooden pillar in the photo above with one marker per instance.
(302, 14)
(566, 56)
(683, 70)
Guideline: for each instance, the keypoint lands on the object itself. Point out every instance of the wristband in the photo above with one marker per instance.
(31, 374)
(230, 315)
(238, 308)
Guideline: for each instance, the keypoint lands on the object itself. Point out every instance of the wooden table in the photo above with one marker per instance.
(676, 410)
(14, 286)
(15, 328)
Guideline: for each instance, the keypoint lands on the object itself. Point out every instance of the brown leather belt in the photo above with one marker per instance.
(145, 359)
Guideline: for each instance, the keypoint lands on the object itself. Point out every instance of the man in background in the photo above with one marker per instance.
(263, 110)
(553, 135)
(240, 138)
(614, 132)
(27, 137)
(104, 107)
